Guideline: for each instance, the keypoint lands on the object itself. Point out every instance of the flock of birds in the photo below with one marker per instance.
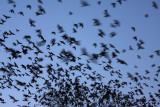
(64, 81)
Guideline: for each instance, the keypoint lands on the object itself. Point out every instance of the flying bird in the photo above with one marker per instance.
(32, 23)
(29, 6)
(133, 28)
(96, 22)
(121, 61)
(84, 3)
(11, 1)
(157, 52)
(154, 4)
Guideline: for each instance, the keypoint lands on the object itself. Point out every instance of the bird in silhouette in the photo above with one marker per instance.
(106, 14)
(133, 28)
(84, 3)
(21, 13)
(14, 100)
(112, 34)
(70, 13)
(101, 33)
(99, 2)
(119, 1)
(154, 4)
(157, 52)
(146, 15)
(60, 1)
(11, 1)
(32, 23)
(12, 11)
(135, 38)
(84, 51)
(7, 17)
(41, 9)
(81, 25)
(121, 61)
(60, 28)
(29, 6)
(96, 22)
(74, 30)
(95, 45)
(40, 1)
(113, 5)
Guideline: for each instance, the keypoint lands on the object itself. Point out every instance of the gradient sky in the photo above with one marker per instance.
(130, 14)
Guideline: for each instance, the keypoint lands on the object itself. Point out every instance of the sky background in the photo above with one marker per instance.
(130, 14)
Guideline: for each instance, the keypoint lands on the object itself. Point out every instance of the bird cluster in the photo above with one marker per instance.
(60, 77)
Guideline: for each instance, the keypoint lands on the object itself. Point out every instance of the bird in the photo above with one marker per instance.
(21, 13)
(146, 15)
(99, 2)
(113, 4)
(70, 13)
(119, 1)
(84, 3)
(154, 4)
(81, 25)
(11, 1)
(17, 30)
(117, 23)
(29, 6)
(151, 56)
(112, 34)
(84, 51)
(96, 22)
(14, 100)
(32, 23)
(12, 11)
(157, 52)
(54, 33)
(7, 17)
(40, 1)
(122, 61)
(106, 14)
(58, 73)
(135, 38)
(95, 45)
(74, 30)
(133, 28)
(101, 33)
(60, 1)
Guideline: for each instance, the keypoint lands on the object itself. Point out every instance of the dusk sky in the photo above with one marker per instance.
(130, 14)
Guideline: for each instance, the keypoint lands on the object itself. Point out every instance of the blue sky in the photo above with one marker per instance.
(130, 14)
